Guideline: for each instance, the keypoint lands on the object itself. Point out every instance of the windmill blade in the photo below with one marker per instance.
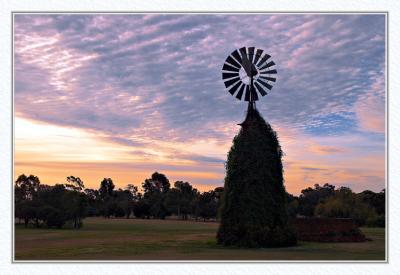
(265, 84)
(236, 55)
(269, 72)
(243, 51)
(229, 75)
(229, 68)
(270, 64)
(240, 93)
(257, 55)
(260, 89)
(251, 54)
(265, 58)
(268, 78)
(247, 96)
(232, 62)
(231, 82)
(235, 88)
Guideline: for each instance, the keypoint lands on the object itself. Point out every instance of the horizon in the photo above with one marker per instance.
(123, 96)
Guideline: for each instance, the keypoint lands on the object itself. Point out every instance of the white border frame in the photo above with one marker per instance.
(177, 7)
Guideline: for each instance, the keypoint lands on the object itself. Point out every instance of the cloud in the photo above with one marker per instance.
(370, 107)
(326, 150)
(152, 82)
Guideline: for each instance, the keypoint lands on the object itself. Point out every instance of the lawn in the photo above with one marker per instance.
(136, 239)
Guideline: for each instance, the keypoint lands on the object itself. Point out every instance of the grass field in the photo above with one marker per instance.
(121, 239)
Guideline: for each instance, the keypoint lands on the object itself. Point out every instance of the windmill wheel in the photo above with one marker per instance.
(249, 72)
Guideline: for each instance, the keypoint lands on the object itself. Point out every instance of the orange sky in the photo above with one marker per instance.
(54, 152)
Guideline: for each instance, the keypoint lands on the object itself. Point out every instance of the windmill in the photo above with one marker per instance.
(249, 72)
(253, 209)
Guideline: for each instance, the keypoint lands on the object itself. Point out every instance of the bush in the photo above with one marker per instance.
(54, 217)
(254, 209)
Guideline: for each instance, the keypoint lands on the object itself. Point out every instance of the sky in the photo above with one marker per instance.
(124, 95)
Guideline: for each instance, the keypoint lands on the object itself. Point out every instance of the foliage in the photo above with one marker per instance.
(52, 206)
(67, 204)
(253, 210)
(346, 204)
(310, 197)
(180, 199)
(206, 207)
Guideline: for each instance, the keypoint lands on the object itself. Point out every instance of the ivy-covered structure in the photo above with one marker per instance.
(253, 211)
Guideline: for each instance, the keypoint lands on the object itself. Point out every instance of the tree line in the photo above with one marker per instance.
(366, 208)
(67, 204)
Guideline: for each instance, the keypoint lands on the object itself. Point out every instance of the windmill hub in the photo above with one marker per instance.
(249, 72)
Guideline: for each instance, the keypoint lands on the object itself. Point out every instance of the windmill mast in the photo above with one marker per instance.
(252, 102)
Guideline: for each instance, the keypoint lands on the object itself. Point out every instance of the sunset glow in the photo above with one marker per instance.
(122, 96)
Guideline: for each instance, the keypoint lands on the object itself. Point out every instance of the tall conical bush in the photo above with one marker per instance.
(253, 211)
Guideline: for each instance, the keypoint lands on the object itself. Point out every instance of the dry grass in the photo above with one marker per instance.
(134, 239)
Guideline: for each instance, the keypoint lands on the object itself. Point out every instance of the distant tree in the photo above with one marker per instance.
(219, 191)
(133, 190)
(125, 201)
(75, 183)
(93, 201)
(26, 187)
(141, 208)
(106, 192)
(172, 201)
(346, 204)
(26, 211)
(207, 205)
(155, 189)
(375, 200)
(310, 197)
(180, 199)
(157, 183)
(106, 188)
(26, 190)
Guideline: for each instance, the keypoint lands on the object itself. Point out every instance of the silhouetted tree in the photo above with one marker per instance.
(155, 189)
(106, 188)
(346, 204)
(106, 192)
(253, 209)
(26, 187)
(207, 205)
(310, 197)
(75, 183)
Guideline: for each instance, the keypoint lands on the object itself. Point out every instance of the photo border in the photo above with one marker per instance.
(388, 173)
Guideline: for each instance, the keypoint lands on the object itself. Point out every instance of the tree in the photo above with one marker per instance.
(155, 189)
(310, 197)
(180, 199)
(207, 205)
(346, 204)
(106, 192)
(26, 190)
(133, 190)
(93, 201)
(75, 183)
(26, 187)
(253, 209)
(125, 200)
(172, 201)
(157, 183)
(187, 194)
(106, 188)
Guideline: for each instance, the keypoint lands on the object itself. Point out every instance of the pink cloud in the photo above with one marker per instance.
(370, 108)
